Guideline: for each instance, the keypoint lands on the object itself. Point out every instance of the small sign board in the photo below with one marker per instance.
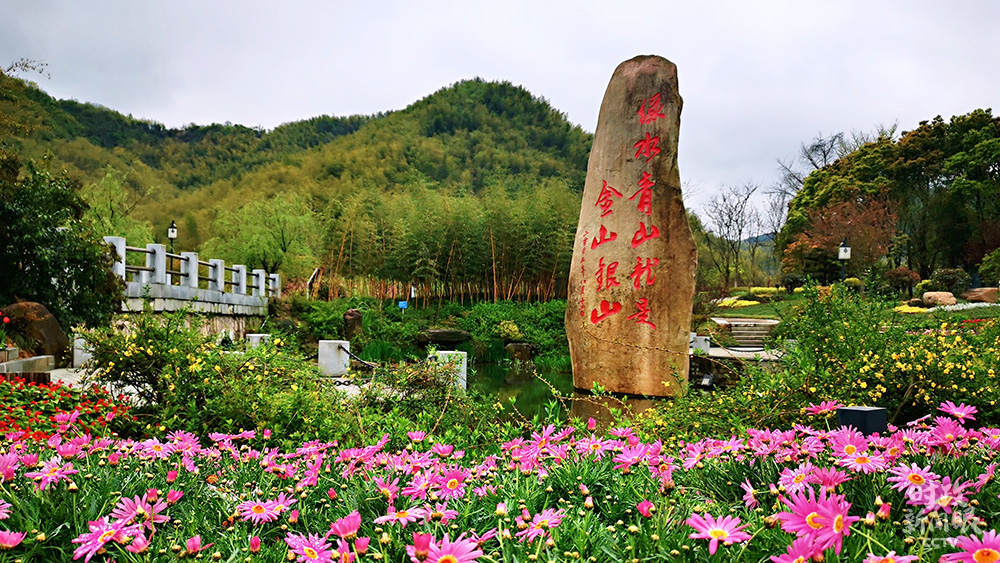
(404, 304)
(845, 253)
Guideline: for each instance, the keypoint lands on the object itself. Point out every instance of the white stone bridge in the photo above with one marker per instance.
(231, 296)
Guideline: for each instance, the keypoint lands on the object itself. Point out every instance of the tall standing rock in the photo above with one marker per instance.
(632, 280)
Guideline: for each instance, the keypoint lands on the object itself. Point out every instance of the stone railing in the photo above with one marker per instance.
(210, 286)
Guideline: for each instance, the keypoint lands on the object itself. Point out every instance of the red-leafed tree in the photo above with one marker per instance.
(868, 225)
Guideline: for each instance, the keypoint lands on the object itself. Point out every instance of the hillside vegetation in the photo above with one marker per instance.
(474, 189)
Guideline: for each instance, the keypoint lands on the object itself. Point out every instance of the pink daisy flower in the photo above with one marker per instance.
(347, 527)
(828, 477)
(309, 548)
(4, 509)
(421, 548)
(52, 471)
(749, 494)
(257, 512)
(10, 540)
(796, 479)
(962, 412)
(822, 408)
(824, 519)
(459, 551)
(863, 462)
(101, 532)
(402, 517)
(452, 483)
(802, 550)
(725, 529)
(907, 478)
(645, 508)
(389, 490)
(540, 524)
(890, 558)
(975, 550)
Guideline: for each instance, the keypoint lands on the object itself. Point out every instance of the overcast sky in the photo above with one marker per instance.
(757, 78)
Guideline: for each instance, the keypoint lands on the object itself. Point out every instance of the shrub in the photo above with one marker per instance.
(925, 286)
(854, 284)
(792, 281)
(898, 280)
(955, 280)
(989, 269)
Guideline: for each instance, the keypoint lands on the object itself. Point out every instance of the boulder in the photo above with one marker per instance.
(443, 336)
(39, 328)
(916, 302)
(354, 324)
(632, 280)
(939, 298)
(521, 351)
(981, 295)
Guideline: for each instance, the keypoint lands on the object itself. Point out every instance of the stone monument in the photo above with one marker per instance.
(631, 283)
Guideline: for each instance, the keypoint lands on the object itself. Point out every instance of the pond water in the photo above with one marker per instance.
(527, 387)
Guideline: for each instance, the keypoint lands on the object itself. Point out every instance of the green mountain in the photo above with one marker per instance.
(463, 147)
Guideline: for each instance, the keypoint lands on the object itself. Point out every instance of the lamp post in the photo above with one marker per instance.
(844, 256)
(171, 234)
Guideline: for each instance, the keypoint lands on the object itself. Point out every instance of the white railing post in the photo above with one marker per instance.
(217, 271)
(274, 285)
(189, 269)
(240, 279)
(259, 283)
(157, 260)
(119, 244)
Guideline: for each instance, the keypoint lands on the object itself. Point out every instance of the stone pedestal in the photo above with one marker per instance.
(333, 358)
(631, 284)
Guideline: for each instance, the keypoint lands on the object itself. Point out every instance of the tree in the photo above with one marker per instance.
(731, 218)
(109, 209)
(47, 253)
(275, 235)
(868, 226)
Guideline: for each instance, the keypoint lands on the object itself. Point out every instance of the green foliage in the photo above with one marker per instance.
(924, 286)
(938, 178)
(47, 253)
(110, 203)
(989, 270)
(857, 352)
(898, 280)
(479, 176)
(792, 281)
(855, 284)
(954, 280)
(278, 234)
(542, 323)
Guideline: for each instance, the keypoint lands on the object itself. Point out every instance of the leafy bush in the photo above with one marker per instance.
(47, 254)
(925, 286)
(854, 284)
(955, 280)
(989, 269)
(857, 352)
(542, 324)
(791, 282)
(899, 280)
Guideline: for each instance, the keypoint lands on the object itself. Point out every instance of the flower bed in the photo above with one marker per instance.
(917, 493)
(40, 409)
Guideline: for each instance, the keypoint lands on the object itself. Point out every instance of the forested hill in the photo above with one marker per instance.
(469, 141)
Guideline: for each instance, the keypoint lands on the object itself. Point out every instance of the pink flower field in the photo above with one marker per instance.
(922, 492)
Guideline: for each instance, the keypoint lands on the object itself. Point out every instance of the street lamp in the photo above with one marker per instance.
(171, 234)
(844, 256)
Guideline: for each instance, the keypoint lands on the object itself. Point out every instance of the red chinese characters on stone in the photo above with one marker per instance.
(603, 237)
(645, 194)
(641, 235)
(648, 147)
(606, 310)
(604, 200)
(653, 112)
(642, 315)
(606, 275)
(641, 270)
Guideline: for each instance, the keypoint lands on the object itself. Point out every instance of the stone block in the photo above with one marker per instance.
(333, 357)
(939, 298)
